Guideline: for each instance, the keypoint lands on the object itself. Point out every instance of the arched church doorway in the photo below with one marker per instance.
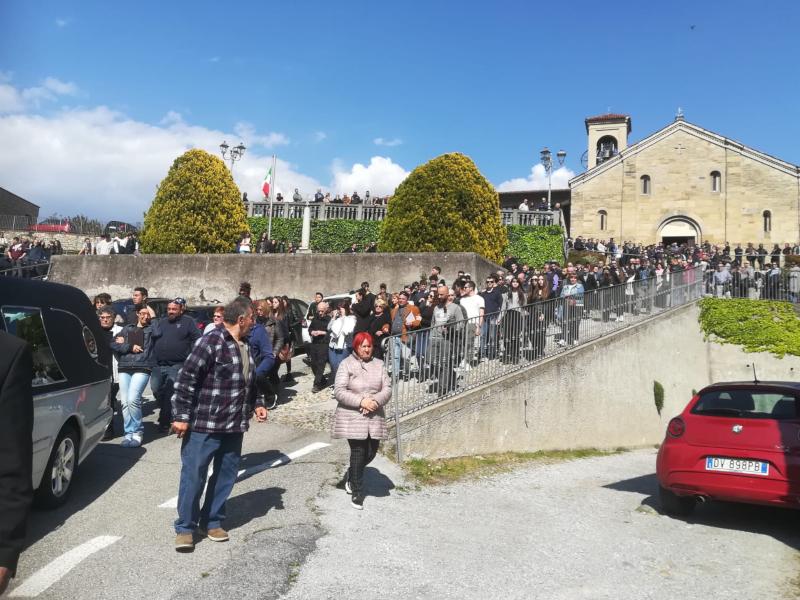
(680, 230)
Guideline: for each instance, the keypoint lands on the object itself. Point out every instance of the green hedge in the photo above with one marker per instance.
(530, 244)
(326, 236)
(535, 245)
(756, 325)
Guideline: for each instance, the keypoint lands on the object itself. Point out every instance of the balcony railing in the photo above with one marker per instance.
(366, 212)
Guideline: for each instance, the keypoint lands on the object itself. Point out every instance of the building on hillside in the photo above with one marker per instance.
(682, 183)
(16, 212)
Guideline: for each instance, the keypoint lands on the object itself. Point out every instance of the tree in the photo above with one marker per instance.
(445, 205)
(197, 208)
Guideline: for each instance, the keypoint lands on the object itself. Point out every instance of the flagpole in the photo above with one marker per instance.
(271, 194)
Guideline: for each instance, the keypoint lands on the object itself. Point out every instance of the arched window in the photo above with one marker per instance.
(716, 181)
(767, 221)
(603, 215)
(645, 179)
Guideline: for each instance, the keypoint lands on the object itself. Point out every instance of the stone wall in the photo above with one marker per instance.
(594, 396)
(202, 278)
(71, 242)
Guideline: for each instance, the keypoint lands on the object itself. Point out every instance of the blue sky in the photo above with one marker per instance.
(97, 98)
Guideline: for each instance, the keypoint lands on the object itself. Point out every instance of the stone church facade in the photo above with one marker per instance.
(682, 183)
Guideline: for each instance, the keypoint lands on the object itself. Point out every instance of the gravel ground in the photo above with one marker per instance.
(578, 529)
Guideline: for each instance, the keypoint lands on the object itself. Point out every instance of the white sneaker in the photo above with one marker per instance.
(562, 342)
(136, 440)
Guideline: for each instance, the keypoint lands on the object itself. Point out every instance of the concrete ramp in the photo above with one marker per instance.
(597, 395)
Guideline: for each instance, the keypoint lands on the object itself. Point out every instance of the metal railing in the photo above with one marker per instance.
(769, 284)
(367, 212)
(24, 268)
(426, 366)
(16, 222)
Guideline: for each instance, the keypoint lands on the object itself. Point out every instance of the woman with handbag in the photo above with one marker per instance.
(265, 315)
(361, 390)
(572, 296)
(379, 327)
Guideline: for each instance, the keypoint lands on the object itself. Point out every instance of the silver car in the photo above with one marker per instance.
(71, 378)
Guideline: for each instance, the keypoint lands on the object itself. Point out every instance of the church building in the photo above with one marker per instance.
(682, 183)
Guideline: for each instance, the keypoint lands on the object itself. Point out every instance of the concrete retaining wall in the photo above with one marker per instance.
(202, 278)
(599, 395)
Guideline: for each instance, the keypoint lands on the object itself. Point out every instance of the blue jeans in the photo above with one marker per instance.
(335, 357)
(131, 386)
(489, 337)
(162, 383)
(198, 450)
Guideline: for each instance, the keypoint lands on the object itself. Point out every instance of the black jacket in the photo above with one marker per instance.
(16, 446)
(126, 358)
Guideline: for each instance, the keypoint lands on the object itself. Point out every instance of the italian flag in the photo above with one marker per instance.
(266, 184)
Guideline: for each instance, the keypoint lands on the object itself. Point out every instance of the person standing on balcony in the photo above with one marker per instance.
(297, 197)
(523, 205)
(318, 197)
(355, 198)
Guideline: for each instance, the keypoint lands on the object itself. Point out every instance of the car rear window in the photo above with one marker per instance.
(748, 404)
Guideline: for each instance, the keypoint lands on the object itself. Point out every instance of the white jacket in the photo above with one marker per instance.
(341, 331)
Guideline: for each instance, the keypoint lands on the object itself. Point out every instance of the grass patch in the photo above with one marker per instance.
(449, 470)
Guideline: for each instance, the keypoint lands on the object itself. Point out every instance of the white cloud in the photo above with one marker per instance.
(214, 59)
(107, 165)
(381, 176)
(246, 131)
(389, 143)
(320, 136)
(13, 99)
(537, 180)
(61, 22)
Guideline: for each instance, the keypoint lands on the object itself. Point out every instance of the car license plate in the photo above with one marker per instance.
(737, 465)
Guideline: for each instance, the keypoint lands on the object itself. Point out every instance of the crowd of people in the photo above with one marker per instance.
(344, 199)
(23, 256)
(265, 245)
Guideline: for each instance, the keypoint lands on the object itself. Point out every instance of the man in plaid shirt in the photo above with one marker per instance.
(214, 399)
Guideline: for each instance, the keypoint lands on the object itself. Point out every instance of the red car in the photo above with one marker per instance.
(737, 441)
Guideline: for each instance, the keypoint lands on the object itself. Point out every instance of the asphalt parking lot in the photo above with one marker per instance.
(587, 528)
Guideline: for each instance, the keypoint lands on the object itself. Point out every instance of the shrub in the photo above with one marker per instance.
(585, 257)
(445, 205)
(197, 208)
(535, 245)
(756, 325)
(658, 396)
(336, 235)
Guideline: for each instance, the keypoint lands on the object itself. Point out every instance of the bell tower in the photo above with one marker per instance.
(608, 136)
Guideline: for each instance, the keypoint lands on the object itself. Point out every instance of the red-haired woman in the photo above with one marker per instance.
(361, 390)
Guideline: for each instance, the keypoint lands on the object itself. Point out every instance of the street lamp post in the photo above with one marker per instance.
(232, 154)
(547, 162)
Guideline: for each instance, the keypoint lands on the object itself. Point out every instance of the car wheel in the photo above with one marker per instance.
(672, 504)
(60, 471)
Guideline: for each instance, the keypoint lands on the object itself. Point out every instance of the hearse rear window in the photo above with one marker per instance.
(748, 404)
(27, 324)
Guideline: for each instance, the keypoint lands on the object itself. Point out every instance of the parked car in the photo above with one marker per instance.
(71, 378)
(298, 310)
(333, 302)
(125, 305)
(736, 441)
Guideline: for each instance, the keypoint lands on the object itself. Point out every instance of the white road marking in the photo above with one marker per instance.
(173, 502)
(55, 570)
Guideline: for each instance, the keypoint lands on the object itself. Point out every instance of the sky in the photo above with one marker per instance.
(98, 98)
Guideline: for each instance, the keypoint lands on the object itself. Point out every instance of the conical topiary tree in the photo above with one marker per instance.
(445, 205)
(197, 208)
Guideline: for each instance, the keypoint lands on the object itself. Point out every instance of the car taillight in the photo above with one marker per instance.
(676, 427)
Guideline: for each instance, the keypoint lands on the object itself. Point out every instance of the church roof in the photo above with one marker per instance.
(682, 125)
(609, 118)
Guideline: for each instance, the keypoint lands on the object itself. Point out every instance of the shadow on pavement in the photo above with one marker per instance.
(783, 524)
(251, 505)
(376, 483)
(102, 468)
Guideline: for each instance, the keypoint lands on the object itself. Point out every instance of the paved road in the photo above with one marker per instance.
(579, 529)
